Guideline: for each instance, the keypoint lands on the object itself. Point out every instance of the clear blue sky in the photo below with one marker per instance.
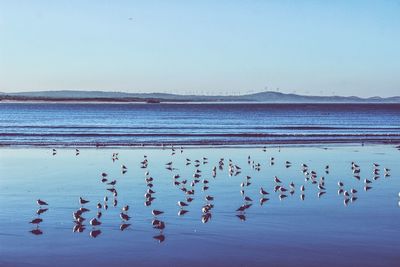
(310, 47)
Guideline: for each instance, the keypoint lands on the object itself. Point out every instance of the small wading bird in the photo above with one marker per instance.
(83, 201)
(200, 178)
(41, 202)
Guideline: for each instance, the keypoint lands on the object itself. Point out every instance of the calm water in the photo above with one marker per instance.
(154, 124)
(316, 231)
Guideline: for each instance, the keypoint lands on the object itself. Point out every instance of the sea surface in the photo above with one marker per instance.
(69, 124)
(314, 227)
(223, 155)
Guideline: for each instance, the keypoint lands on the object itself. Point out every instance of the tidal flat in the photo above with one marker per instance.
(356, 224)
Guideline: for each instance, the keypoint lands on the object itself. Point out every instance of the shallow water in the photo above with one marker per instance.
(316, 231)
(69, 124)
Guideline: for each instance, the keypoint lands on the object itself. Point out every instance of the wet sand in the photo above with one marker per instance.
(322, 229)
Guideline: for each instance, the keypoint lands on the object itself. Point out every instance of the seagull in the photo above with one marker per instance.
(83, 201)
(182, 212)
(124, 216)
(113, 182)
(209, 198)
(182, 204)
(206, 208)
(263, 192)
(156, 212)
(84, 209)
(160, 225)
(94, 222)
(246, 198)
(282, 196)
(282, 189)
(41, 202)
(320, 187)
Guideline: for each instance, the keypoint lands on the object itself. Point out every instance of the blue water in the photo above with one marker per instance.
(321, 230)
(48, 124)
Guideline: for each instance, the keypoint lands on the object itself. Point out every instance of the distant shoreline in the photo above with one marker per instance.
(117, 101)
(77, 96)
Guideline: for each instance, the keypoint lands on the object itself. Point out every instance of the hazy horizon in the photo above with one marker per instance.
(201, 47)
(194, 93)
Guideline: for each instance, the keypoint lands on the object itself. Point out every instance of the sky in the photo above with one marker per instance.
(204, 47)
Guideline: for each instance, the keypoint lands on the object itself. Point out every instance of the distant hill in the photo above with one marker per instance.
(264, 97)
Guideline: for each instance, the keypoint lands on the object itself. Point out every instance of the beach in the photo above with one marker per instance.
(310, 230)
(199, 133)
(211, 184)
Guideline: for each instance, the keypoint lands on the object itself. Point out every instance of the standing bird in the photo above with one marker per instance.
(156, 212)
(263, 192)
(83, 201)
(94, 222)
(41, 202)
(182, 204)
(124, 217)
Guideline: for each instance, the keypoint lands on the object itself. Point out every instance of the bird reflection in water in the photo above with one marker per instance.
(36, 231)
(95, 233)
(160, 238)
(38, 220)
(283, 189)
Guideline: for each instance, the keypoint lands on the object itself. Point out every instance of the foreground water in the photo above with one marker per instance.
(69, 124)
(317, 231)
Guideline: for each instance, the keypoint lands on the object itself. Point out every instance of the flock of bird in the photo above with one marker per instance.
(189, 187)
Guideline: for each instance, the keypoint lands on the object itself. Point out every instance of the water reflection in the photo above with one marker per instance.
(36, 221)
(189, 186)
(36, 231)
(160, 238)
(124, 226)
(95, 233)
(40, 211)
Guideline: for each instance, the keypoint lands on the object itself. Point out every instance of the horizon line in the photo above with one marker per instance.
(251, 92)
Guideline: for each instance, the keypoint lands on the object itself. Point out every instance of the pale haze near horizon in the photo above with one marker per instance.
(204, 47)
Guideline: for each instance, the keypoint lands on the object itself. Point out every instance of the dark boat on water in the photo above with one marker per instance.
(152, 101)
